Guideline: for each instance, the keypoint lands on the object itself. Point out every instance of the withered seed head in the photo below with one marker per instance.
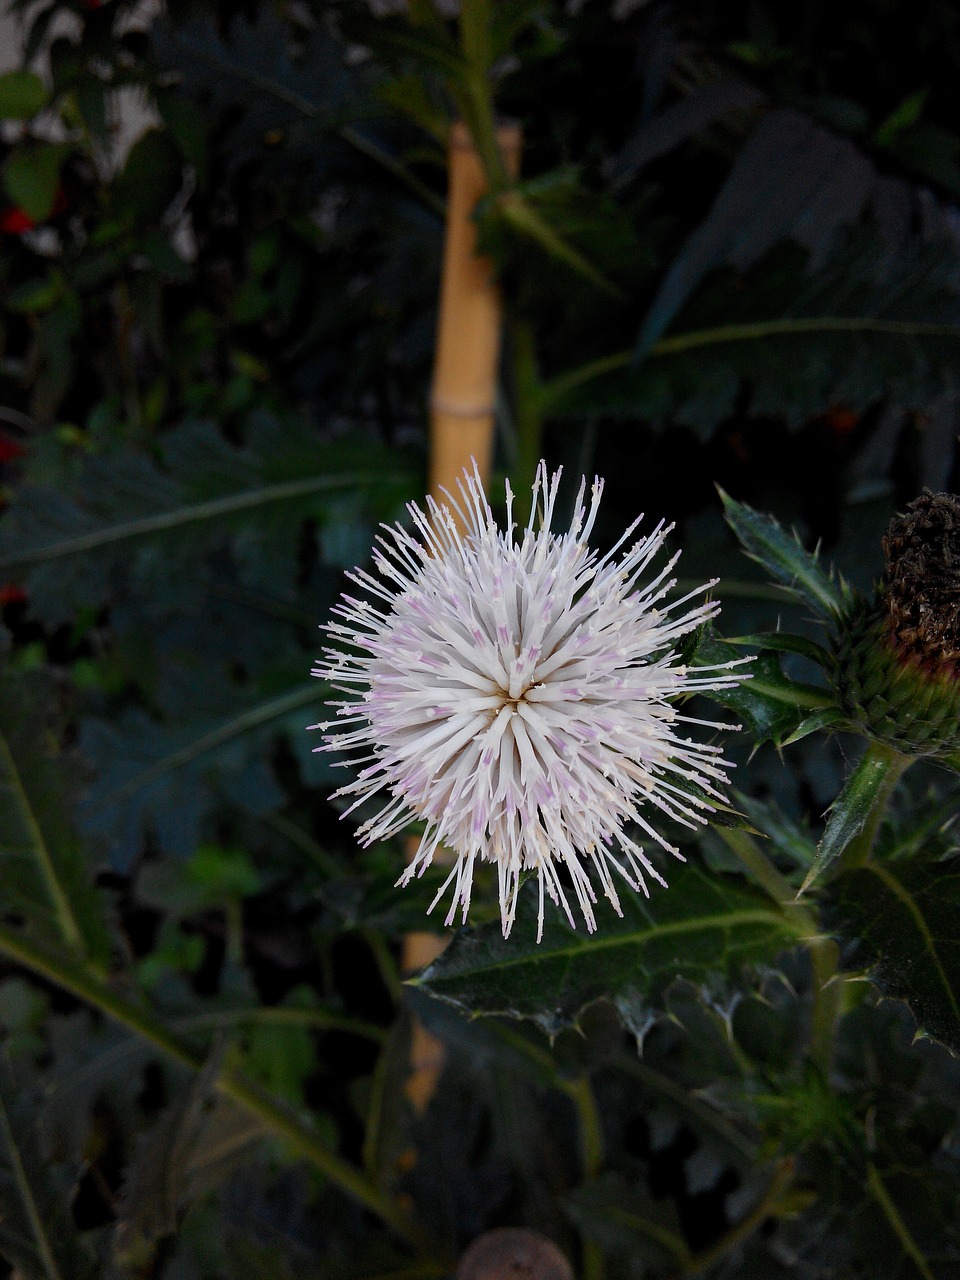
(897, 655)
(921, 588)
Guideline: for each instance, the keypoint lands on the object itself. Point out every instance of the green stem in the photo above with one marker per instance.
(50, 1268)
(588, 1117)
(553, 391)
(66, 920)
(824, 953)
(580, 1092)
(65, 973)
(318, 1019)
(473, 90)
(233, 931)
(858, 851)
(892, 1214)
(779, 1184)
(529, 419)
(776, 886)
(827, 995)
(386, 964)
(301, 840)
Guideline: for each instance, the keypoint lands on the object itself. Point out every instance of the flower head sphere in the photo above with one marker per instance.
(517, 696)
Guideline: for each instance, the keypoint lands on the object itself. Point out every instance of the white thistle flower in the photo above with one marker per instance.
(517, 697)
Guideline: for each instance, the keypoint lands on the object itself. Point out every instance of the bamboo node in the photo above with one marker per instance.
(440, 405)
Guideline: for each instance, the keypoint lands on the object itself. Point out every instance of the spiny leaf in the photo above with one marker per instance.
(228, 475)
(701, 926)
(784, 642)
(772, 706)
(901, 922)
(851, 810)
(782, 555)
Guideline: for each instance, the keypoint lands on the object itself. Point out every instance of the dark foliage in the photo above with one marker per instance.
(732, 256)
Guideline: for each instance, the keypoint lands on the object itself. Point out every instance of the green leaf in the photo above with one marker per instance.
(43, 876)
(32, 177)
(151, 177)
(791, 180)
(37, 295)
(210, 878)
(900, 921)
(825, 718)
(856, 805)
(788, 836)
(783, 556)
(902, 117)
(788, 339)
(37, 1233)
(783, 642)
(521, 215)
(22, 94)
(127, 518)
(166, 778)
(770, 705)
(702, 927)
(156, 1180)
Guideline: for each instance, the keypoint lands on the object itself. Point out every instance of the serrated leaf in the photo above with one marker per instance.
(790, 339)
(697, 109)
(791, 179)
(852, 808)
(783, 556)
(825, 718)
(166, 777)
(701, 927)
(126, 519)
(901, 922)
(43, 876)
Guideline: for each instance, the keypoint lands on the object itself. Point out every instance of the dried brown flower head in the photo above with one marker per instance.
(897, 655)
(922, 581)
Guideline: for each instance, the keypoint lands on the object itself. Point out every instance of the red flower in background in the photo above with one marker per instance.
(14, 221)
(10, 449)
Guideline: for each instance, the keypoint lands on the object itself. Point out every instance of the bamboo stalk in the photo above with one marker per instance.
(462, 410)
(464, 392)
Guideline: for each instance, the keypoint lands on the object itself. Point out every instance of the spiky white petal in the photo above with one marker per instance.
(518, 696)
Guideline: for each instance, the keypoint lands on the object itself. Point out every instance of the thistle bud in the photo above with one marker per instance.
(897, 656)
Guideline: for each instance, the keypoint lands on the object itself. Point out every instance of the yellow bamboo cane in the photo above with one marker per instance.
(462, 411)
(464, 392)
